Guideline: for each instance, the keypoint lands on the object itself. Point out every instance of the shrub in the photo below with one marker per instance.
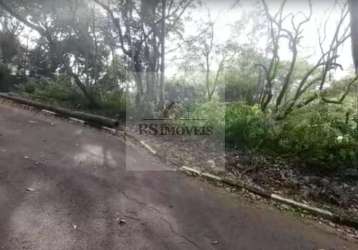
(319, 135)
(114, 104)
(58, 91)
(62, 92)
(210, 114)
(246, 126)
(240, 125)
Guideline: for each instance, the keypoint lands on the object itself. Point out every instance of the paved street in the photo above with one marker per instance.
(65, 186)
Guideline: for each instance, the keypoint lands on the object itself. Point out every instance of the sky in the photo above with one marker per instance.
(226, 12)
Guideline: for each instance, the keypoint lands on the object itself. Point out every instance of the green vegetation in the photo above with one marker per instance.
(61, 92)
(319, 135)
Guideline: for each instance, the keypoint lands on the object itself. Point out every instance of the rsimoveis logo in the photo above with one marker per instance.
(169, 125)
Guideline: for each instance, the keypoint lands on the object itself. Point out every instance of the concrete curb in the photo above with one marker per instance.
(149, 148)
(336, 217)
(332, 216)
(143, 143)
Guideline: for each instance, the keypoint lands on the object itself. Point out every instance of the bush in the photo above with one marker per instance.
(320, 135)
(114, 104)
(62, 92)
(239, 124)
(59, 92)
(210, 114)
(246, 126)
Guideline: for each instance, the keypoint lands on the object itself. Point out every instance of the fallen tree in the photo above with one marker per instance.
(96, 120)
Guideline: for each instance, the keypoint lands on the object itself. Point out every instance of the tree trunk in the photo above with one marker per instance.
(353, 4)
(162, 63)
(207, 76)
(90, 118)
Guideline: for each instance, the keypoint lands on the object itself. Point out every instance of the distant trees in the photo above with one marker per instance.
(205, 57)
(241, 77)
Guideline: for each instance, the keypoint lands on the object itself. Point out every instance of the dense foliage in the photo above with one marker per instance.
(62, 92)
(321, 135)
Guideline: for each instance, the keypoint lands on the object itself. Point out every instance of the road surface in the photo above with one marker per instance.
(65, 186)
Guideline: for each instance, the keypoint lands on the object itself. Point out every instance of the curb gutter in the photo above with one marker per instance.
(335, 217)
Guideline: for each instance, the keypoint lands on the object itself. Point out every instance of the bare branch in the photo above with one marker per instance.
(116, 22)
(344, 95)
(22, 19)
(325, 64)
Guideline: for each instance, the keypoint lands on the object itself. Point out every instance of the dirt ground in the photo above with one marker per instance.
(65, 186)
(332, 189)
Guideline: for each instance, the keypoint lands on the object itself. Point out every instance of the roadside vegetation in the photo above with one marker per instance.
(110, 58)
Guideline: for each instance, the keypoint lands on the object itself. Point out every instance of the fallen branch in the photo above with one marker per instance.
(89, 118)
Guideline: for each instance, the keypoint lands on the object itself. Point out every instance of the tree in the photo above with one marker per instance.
(353, 6)
(290, 94)
(162, 52)
(69, 44)
(11, 53)
(208, 58)
(141, 28)
(241, 77)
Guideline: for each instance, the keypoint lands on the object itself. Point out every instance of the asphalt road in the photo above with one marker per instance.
(65, 186)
